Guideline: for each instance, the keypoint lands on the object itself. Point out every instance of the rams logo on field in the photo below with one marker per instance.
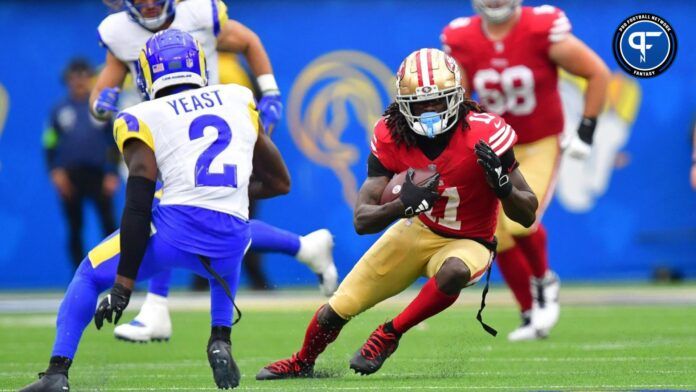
(328, 98)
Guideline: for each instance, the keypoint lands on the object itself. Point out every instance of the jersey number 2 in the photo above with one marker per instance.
(203, 176)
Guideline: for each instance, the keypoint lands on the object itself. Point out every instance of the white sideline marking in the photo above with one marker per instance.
(28, 321)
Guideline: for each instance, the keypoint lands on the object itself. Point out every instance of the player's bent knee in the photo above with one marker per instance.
(453, 275)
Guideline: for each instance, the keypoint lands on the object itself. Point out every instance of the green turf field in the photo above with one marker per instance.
(593, 348)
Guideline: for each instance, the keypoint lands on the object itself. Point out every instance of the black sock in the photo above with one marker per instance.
(220, 333)
(59, 365)
(389, 327)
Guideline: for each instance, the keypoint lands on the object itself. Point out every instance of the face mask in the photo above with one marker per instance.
(428, 124)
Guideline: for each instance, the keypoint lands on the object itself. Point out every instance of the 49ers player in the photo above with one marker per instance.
(510, 55)
(444, 228)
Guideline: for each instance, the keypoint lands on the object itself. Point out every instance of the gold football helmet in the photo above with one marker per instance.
(429, 74)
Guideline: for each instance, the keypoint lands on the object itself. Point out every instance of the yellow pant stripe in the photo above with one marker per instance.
(105, 250)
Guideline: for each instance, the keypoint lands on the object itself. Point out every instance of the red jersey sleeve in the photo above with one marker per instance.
(492, 129)
(383, 147)
(550, 25)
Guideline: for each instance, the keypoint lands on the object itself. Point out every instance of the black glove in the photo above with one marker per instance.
(417, 199)
(490, 162)
(112, 305)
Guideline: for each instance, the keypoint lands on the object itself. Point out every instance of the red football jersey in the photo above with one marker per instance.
(514, 77)
(467, 208)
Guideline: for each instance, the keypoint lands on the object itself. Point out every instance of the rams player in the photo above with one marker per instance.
(510, 56)
(201, 223)
(123, 34)
(444, 228)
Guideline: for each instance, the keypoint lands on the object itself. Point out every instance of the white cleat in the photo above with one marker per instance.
(526, 331)
(545, 308)
(151, 324)
(316, 252)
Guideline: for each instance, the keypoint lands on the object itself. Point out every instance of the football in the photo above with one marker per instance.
(393, 189)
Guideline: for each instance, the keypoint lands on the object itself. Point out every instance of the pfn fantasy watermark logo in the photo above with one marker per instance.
(645, 45)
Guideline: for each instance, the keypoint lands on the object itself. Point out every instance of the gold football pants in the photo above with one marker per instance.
(406, 251)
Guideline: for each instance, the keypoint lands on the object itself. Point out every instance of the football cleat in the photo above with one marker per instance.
(293, 367)
(545, 308)
(379, 346)
(151, 324)
(53, 382)
(225, 371)
(316, 252)
(526, 330)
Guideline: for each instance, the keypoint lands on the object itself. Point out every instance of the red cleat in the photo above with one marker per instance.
(293, 367)
(379, 346)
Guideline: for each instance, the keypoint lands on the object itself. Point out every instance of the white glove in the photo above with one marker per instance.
(576, 148)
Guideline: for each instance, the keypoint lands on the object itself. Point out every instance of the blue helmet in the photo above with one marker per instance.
(151, 23)
(170, 57)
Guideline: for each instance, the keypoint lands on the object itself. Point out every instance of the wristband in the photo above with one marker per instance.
(586, 129)
(267, 84)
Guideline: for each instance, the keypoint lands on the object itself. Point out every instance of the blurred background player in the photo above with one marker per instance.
(444, 227)
(81, 157)
(510, 55)
(123, 34)
(202, 221)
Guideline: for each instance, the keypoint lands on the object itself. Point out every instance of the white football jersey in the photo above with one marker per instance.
(203, 141)
(203, 19)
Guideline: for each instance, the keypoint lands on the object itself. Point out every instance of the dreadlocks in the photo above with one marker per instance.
(402, 133)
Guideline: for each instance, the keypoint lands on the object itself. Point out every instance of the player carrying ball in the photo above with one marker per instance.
(444, 228)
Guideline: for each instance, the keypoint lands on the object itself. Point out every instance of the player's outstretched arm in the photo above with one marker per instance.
(574, 56)
(237, 38)
(508, 184)
(270, 176)
(103, 100)
(135, 228)
(369, 216)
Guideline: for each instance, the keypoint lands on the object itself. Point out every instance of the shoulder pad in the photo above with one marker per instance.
(550, 22)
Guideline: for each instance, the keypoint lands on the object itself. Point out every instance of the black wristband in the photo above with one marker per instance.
(135, 225)
(586, 129)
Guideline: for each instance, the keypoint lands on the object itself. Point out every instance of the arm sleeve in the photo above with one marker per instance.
(135, 225)
(376, 169)
(503, 137)
(219, 16)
